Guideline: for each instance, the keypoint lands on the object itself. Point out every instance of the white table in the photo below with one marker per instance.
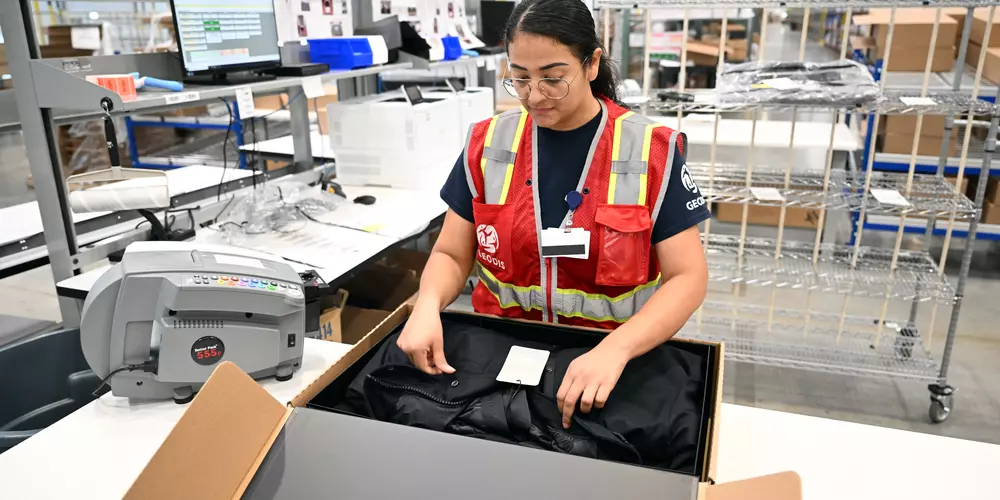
(840, 460)
(99, 450)
(360, 233)
(20, 222)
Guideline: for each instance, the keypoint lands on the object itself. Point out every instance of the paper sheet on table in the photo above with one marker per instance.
(396, 213)
(319, 246)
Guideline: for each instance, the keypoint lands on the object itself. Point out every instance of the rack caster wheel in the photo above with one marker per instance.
(942, 397)
(938, 412)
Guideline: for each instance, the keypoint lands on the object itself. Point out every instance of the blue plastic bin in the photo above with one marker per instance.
(341, 53)
(452, 48)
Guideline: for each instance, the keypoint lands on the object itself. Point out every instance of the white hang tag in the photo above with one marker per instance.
(523, 366)
(918, 101)
(766, 194)
(783, 83)
(244, 99)
(890, 197)
(573, 243)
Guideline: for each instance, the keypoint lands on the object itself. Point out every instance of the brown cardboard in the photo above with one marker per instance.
(768, 216)
(269, 102)
(991, 213)
(242, 420)
(978, 32)
(227, 430)
(965, 183)
(992, 190)
(991, 64)
(703, 53)
(927, 145)
(329, 319)
(933, 125)
(914, 58)
(913, 27)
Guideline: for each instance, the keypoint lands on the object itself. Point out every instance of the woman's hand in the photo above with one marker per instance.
(423, 342)
(590, 379)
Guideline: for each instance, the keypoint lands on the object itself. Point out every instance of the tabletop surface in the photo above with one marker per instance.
(100, 449)
(351, 235)
(24, 220)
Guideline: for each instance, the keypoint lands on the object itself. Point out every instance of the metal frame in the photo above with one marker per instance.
(811, 338)
(43, 85)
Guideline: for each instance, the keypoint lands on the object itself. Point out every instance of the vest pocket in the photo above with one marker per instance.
(623, 254)
(493, 238)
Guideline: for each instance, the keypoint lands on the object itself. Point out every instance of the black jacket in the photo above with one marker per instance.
(651, 417)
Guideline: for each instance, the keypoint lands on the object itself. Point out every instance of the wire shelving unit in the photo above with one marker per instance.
(760, 323)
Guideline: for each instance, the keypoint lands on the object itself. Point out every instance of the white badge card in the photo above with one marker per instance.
(573, 243)
(523, 366)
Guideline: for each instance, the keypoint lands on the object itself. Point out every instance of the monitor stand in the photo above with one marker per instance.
(241, 78)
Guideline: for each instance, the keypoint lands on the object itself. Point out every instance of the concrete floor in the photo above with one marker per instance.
(974, 369)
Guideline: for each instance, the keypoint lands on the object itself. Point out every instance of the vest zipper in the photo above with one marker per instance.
(410, 388)
(549, 315)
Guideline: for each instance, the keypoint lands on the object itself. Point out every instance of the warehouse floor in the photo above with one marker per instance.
(885, 402)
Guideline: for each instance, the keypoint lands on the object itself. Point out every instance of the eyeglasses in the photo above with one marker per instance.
(552, 88)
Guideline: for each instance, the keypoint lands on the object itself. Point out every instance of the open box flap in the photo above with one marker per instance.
(781, 486)
(217, 444)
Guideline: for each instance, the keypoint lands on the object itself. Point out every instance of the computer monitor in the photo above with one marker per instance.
(222, 36)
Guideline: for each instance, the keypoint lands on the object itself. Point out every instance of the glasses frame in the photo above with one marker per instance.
(527, 81)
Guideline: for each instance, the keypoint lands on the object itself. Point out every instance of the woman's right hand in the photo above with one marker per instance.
(423, 341)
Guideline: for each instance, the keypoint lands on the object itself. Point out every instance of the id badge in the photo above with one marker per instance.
(573, 243)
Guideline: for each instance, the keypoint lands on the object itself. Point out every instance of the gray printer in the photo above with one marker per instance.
(169, 312)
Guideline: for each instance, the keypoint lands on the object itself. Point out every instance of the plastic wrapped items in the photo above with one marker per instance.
(837, 83)
(281, 208)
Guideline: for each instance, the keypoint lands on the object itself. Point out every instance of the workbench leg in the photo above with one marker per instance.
(301, 137)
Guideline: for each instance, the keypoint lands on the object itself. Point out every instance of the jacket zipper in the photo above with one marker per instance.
(410, 388)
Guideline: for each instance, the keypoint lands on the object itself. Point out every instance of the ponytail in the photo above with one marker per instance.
(570, 23)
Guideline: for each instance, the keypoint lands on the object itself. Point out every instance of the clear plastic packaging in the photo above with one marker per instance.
(281, 208)
(836, 83)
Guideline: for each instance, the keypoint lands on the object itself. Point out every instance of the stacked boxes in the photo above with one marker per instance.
(911, 38)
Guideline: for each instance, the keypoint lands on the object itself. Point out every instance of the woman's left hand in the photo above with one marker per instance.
(589, 380)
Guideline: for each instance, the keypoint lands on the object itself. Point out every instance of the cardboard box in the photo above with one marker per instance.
(991, 213)
(914, 58)
(242, 421)
(704, 53)
(978, 33)
(270, 102)
(965, 183)
(928, 145)
(913, 27)
(992, 190)
(933, 125)
(991, 64)
(768, 216)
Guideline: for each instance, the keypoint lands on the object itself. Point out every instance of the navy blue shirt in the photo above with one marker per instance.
(561, 158)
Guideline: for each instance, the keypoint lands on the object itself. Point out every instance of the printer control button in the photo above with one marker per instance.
(220, 282)
(294, 292)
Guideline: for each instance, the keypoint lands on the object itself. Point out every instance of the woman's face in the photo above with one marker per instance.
(535, 57)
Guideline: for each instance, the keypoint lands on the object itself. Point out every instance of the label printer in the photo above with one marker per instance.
(156, 324)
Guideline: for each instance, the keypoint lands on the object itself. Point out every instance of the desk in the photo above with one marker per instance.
(21, 239)
(99, 450)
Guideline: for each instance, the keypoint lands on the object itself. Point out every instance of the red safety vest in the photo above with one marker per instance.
(623, 185)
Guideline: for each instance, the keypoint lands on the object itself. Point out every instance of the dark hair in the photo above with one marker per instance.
(572, 24)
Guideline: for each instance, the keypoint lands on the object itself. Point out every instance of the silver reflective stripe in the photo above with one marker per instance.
(590, 156)
(556, 299)
(501, 155)
(508, 296)
(469, 166)
(666, 175)
(629, 167)
(498, 155)
(602, 308)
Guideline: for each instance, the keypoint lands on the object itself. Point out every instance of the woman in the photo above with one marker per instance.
(574, 162)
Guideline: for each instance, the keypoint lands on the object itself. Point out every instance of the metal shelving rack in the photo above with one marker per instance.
(50, 90)
(785, 332)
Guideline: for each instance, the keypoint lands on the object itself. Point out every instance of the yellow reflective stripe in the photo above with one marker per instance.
(513, 149)
(489, 139)
(615, 146)
(647, 139)
(618, 298)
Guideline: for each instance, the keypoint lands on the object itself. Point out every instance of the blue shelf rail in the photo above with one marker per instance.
(166, 122)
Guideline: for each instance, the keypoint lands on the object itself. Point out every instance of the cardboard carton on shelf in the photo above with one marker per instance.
(927, 145)
(991, 64)
(978, 33)
(252, 436)
(911, 38)
(933, 125)
(759, 215)
(701, 53)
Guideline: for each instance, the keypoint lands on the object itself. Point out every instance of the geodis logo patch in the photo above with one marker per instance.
(489, 243)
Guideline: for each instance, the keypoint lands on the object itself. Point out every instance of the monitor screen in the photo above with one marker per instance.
(223, 34)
